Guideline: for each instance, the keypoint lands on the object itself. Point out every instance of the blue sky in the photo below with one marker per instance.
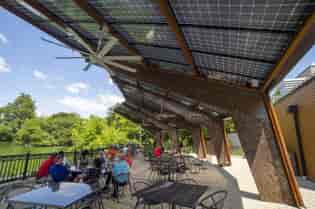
(27, 64)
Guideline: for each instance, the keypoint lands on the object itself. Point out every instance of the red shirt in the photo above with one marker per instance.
(157, 151)
(44, 167)
(128, 160)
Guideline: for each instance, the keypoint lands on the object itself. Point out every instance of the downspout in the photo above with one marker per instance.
(294, 110)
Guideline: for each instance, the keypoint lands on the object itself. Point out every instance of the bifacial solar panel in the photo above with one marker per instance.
(26, 10)
(284, 15)
(163, 54)
(265, 46)
(66, 10)
(172, 67)
(152, 88)
(149, 34)
(232, 65)
(70, 13)
(182, 99)
(226, 77)
(129, 11)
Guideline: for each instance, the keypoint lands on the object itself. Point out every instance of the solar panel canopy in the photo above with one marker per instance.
(236, 42)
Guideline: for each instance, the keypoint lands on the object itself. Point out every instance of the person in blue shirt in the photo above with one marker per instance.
(59, 172)
(120, 172)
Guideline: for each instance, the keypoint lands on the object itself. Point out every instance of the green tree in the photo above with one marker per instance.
(32, 132)
(13, 115)
(60, 126)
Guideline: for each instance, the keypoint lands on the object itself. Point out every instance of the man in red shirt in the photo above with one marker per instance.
(44, 167)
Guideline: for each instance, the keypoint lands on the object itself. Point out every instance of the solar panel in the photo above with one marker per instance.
(172, 55)
(286, 15)
(41, 20)
(226, 77)
(26, 10)
(248, 44)
(232, 65)
(173, 67)
(66, 10)
(128, 11)
(152, 88)
(148, 34)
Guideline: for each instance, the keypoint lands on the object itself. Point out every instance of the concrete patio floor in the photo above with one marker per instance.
(237, 180)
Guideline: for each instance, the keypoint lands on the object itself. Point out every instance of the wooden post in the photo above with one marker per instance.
(27, 159)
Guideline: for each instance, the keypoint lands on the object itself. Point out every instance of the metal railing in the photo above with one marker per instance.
(19, 167)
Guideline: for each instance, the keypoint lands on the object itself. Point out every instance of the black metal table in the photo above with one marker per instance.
(58, 196)
(185, 195)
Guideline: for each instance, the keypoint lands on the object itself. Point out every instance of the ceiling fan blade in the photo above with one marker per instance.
(123, 67)
(63, 46)
(124, 58)
(54, 43)
(108, 46)
(87, 67)
(69, 57)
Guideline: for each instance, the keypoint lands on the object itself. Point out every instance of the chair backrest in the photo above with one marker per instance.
(188, 181)
(214, 200)
(13, 190)
(139, 185)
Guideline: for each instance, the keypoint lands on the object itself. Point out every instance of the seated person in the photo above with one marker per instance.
(59, 172)
(120, 174)
(111, 153)
(100, 161)
(43, 170)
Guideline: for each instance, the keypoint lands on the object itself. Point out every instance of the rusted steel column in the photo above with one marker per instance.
(266, 154)
(172, 133)
(226, 147)
(217, 137)
(198, 142)
(158, 138)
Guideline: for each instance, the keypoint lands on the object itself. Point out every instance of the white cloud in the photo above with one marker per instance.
(4, 66)
(111, 81)
(76, 88)
(39, 75)
(97, 106)
(3, 39)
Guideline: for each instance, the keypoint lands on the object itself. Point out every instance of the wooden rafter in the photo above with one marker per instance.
(303, 41)
(172, 22)
(92, 12)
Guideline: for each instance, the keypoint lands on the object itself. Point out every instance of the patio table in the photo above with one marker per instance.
(184, 195)
(62, 196)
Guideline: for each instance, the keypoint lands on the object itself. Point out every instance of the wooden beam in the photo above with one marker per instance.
(92, 12)
(303, 41)
(166, 11)
(283, 151)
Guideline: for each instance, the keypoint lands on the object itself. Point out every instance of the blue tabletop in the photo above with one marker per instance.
(60, 196)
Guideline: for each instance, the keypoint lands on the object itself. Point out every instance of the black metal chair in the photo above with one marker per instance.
(188, 181)
(214, 200)
(139, 185)
(13, 190)
(122, 185)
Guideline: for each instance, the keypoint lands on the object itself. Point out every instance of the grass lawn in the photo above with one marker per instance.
(7, 148)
